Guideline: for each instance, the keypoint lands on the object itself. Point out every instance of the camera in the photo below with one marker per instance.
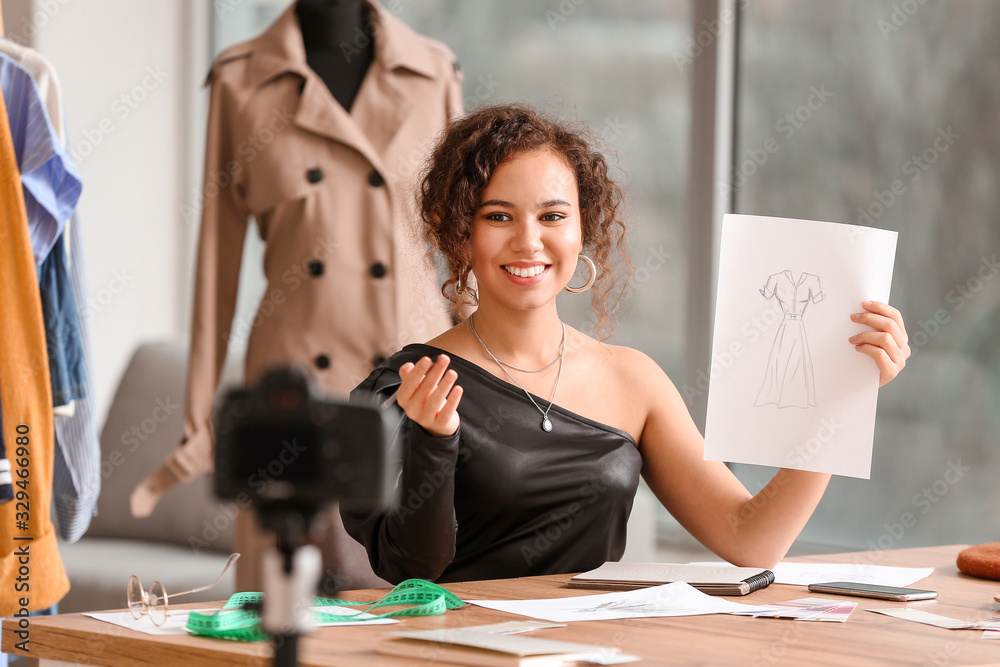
(283, 445)
(288, 451)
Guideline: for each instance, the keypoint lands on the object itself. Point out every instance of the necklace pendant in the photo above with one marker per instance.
(546, 425)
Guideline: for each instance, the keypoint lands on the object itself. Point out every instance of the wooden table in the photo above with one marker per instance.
(865, 639)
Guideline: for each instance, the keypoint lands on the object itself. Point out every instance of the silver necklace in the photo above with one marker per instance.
(546, 424)
(537, 370)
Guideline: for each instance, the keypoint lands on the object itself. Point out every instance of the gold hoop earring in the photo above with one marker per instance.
(590, 283)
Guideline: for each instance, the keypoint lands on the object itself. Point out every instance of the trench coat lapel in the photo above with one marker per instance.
(381, 107)
(387, 96)
(279, 51)
(321, 114)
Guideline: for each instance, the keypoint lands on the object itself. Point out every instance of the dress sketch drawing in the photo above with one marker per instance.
(788, 378)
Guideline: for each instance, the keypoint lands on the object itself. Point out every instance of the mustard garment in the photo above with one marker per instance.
(30, 567)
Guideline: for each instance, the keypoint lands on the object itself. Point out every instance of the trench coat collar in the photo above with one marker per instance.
(280, 50)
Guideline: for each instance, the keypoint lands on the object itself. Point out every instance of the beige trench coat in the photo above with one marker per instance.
(349, 281)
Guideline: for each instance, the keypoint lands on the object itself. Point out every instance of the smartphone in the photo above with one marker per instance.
(873, 591)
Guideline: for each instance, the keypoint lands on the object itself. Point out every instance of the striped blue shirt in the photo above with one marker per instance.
(52, 185)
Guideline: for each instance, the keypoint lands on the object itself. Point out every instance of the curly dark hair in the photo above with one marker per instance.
(462, 165)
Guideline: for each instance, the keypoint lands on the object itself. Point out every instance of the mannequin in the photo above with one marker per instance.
(323, 167)
(328, 25)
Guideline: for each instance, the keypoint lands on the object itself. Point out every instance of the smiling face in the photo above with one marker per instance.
(527, 232)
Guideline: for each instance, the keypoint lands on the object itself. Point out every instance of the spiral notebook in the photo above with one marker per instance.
(706, 578)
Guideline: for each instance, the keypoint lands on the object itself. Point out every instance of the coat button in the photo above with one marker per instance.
(378, 270)
(379, 359)
(316, 268)
(322, 362)
(314, 175)
(375, 179)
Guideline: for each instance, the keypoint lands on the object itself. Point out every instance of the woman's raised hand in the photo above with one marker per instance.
(887, 344)
(429, 395)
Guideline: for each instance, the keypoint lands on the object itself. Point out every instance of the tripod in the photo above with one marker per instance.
(290, 572)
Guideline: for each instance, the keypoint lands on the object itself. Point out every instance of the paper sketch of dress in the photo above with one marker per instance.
(788, 379)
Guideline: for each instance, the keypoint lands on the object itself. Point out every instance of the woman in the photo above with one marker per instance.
(524, 439)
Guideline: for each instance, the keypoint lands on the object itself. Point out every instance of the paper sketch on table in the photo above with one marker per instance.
(676, 599)
(788, 377)
(633, 607)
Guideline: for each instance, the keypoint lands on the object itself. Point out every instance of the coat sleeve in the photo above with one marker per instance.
(220, 249)
(415, 536)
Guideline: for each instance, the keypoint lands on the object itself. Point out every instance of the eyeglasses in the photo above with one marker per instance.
(154, 601)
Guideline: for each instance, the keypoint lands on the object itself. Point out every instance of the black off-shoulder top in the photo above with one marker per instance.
(501, 497)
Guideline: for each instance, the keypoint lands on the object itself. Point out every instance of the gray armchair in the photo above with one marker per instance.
(187, 539)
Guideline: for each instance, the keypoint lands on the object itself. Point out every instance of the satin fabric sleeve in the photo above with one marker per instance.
(415, 536)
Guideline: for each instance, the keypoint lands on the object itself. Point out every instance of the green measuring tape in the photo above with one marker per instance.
(236, 622)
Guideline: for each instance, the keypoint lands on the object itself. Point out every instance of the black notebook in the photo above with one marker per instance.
(706, 578)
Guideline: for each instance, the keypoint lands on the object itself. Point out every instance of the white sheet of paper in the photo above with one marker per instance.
(803, 574)
(530, 649)
(177, 620)
(807, 609)
(174, 625)
(919, 616)
(347, 611)
(509, 627)
(786, 388)
(676, 599)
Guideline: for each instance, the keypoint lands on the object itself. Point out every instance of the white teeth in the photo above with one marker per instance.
(525, 273)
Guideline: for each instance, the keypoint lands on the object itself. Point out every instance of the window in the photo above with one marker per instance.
(885, 115)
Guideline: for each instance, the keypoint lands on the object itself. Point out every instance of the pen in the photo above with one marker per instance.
(389, 401)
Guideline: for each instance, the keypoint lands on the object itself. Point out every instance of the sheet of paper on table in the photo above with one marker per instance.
(174, 625)
(677, 599)
(466, 646)
(991, 625)
(785, 387)
(177, 620)
(803, 574)
(806, 609)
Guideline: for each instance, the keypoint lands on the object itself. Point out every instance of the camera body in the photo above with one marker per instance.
(282, 445)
